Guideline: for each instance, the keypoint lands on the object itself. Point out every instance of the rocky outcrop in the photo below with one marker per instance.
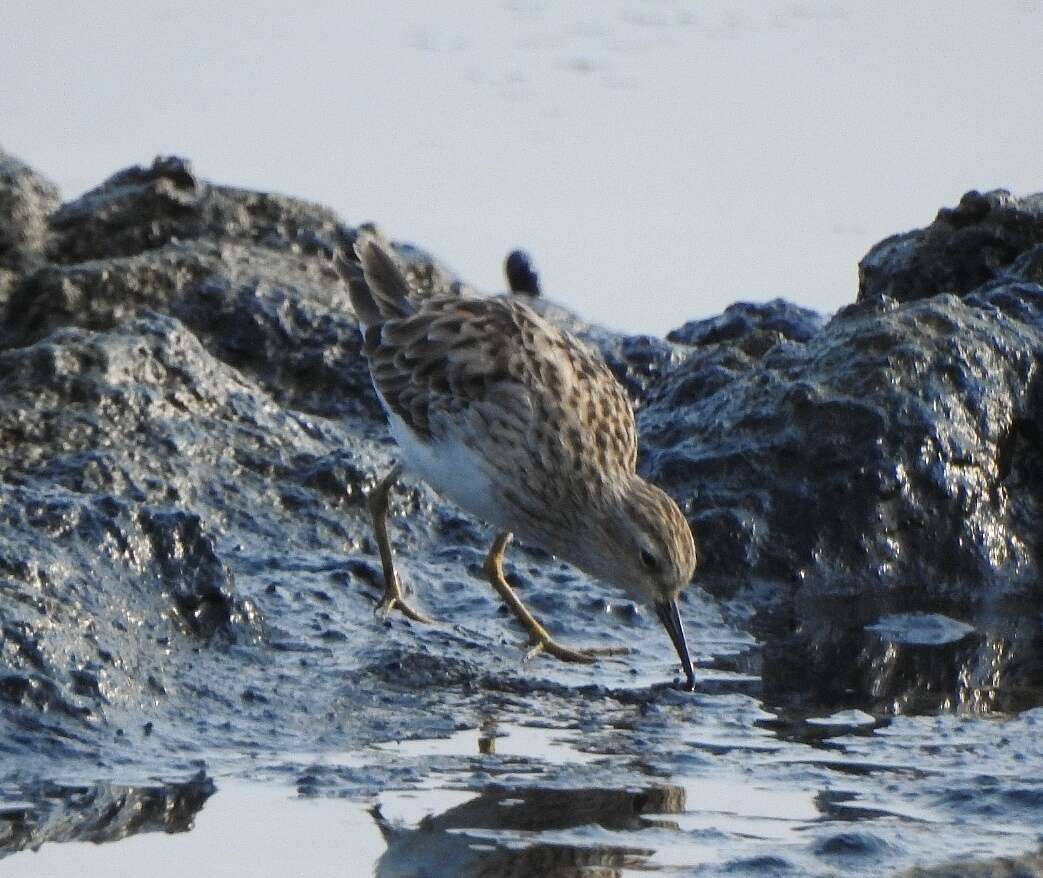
(883, 464)
(881, 453)
(985, 237)
(27, 201)
(757, 326)
(187, 432)
(140, 209)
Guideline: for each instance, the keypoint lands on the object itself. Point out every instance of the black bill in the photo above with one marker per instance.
(671, 619)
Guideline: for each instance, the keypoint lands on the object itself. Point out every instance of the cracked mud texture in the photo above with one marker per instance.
(188, 432)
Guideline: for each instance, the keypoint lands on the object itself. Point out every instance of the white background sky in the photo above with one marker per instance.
(659, 158)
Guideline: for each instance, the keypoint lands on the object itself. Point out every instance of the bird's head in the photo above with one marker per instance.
(647, 550)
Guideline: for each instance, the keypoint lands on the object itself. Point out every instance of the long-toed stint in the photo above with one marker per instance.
(523, 426)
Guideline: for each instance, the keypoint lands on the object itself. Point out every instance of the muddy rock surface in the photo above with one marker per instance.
(187, 575)
(884, 465)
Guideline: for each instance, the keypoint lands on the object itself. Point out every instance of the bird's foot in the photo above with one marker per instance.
(547, 644)
(394, 599)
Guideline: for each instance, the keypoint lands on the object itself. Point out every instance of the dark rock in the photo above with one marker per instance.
(200, 587)
(26, 202)
(851, 844)
(759, 325)
(637, 361)
(92, 501)
(285, 323)
(897, 419)
(1027, 267)
(977, 241)
(39, 692)
(887, 464)
(521, 274)
(142, 209)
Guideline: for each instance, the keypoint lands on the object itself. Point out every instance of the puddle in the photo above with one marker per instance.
(658, 804)
(732, 807)
(920, 629)
(260, 830)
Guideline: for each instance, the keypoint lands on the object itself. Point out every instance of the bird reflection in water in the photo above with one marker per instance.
(490, 835)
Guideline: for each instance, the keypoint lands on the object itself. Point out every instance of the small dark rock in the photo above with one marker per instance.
(772, 321)
(521, 274)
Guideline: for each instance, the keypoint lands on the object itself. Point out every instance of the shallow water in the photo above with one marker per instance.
(246, 828)
(533, 766)
(864, 797)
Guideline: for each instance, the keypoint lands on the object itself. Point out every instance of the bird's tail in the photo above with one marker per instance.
(378, 285)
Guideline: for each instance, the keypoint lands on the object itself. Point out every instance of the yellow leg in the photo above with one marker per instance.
(393, 597)
(539, 637)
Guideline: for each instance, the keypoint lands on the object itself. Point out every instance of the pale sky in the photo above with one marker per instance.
(659, 158)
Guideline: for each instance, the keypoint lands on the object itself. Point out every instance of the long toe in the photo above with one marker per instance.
(391, 602)
(608, 650)
(409, 612)
(567, 654)
(562, 653)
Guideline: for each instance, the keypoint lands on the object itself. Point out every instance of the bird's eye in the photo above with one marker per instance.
(648, 561)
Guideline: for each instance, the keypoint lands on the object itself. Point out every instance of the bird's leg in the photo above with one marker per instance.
(539, 637)
(393, 597)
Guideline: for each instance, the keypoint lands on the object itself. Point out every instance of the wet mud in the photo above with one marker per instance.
(187, 575)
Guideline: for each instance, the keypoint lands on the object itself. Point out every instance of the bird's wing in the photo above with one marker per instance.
(383, 284)
(496, 359)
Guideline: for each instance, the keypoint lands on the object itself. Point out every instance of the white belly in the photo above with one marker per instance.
(452, 469)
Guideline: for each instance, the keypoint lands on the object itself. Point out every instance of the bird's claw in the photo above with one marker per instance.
(392, 600)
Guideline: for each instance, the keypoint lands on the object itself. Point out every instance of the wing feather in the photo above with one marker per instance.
(460, 358)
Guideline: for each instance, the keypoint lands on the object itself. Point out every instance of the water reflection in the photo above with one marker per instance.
(743, 801)
(51, 812)
(488, 835)
(888, 655)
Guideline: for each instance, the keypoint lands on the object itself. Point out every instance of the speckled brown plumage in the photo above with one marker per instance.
(523, 425)
(519, 379)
